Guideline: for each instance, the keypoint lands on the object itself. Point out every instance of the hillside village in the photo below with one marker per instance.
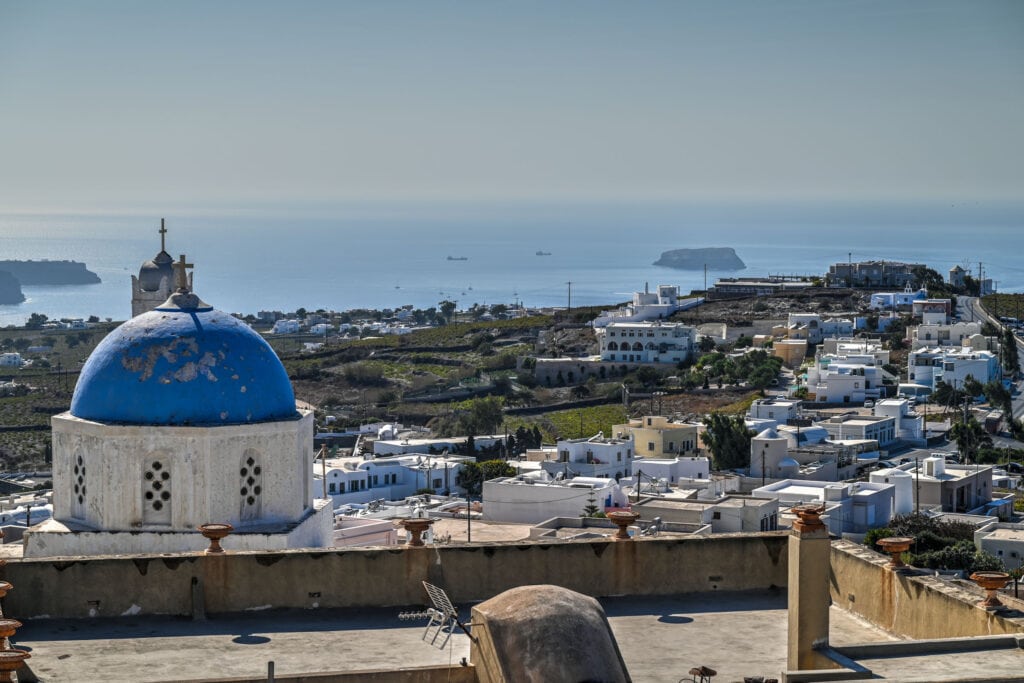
(888, 408)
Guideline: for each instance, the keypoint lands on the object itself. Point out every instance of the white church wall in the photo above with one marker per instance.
(201, 475)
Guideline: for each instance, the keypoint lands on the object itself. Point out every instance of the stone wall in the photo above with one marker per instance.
(915, 604)
(183, 584)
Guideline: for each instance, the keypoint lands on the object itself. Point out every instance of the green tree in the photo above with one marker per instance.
(728, 440)
(591, 509)
(447, 308)
(35, 321)
(647, 375)
(761, 377)
(472, 475)
(973, 387)
(485, 415)
(1011, 358)
(970, 437)
(999, 396)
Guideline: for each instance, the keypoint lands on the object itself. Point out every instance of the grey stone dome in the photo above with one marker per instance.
(152, 272)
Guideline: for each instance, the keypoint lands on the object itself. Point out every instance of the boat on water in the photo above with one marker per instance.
(458, 258)
(543, 253)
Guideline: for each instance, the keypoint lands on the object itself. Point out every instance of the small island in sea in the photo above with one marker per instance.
(716, 258)
(10, 289)
(50, 272)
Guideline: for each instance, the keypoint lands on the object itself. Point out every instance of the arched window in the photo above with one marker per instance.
(637, 346)
(612, 346)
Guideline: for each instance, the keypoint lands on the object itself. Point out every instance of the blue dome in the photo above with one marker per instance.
(183, 366)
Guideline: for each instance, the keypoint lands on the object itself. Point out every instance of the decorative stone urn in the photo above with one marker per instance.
(622, 519)
(895, 546)
(11, 661)
(416, 526)
(991, 582)
(8, 627)
(214, 532)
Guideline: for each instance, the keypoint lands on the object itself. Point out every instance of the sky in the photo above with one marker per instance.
(111, 104)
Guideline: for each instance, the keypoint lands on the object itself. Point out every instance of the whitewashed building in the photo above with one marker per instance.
(814, 328)
(846, 379)
(358, 480)
(646, 342)
(943, 334)
(849, 507)
(597, 456)
(647, 305)
(11, 360)
(285, 327)
(909, 424)
(853, 427)
(535, 497)
(952, 365)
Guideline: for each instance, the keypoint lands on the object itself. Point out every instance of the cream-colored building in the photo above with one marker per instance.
(655, 436)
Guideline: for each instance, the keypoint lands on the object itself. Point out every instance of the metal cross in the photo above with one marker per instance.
(162, 231)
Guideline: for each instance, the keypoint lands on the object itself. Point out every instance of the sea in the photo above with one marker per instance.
(383, 255)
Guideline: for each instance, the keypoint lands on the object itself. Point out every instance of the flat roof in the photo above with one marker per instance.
(1006, 535)
(660, 638)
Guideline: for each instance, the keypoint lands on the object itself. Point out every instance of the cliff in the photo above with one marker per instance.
(10, 289)
(50, 272)
(715, 258)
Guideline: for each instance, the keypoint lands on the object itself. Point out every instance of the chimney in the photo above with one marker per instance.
(809, 567)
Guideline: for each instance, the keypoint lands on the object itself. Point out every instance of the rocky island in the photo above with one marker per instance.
(50, 272)
(715, 258)
(10, 289)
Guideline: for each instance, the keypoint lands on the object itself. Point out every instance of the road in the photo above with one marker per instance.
(969, 309)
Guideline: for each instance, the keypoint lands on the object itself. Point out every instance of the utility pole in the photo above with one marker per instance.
(469, 518)
(568, 305)
(639, 476)
(917, 492)
(763, 450)
(849, 269)
(323, 468)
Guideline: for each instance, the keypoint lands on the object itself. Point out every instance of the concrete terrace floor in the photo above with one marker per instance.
(738, 634)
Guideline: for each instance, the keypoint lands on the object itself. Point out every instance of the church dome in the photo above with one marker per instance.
(152, 272)
(183, 364)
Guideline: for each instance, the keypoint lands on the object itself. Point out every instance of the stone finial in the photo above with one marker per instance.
(181, 274)
(808, 519)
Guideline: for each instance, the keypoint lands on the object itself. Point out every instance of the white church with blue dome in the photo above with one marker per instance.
(182, 416)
